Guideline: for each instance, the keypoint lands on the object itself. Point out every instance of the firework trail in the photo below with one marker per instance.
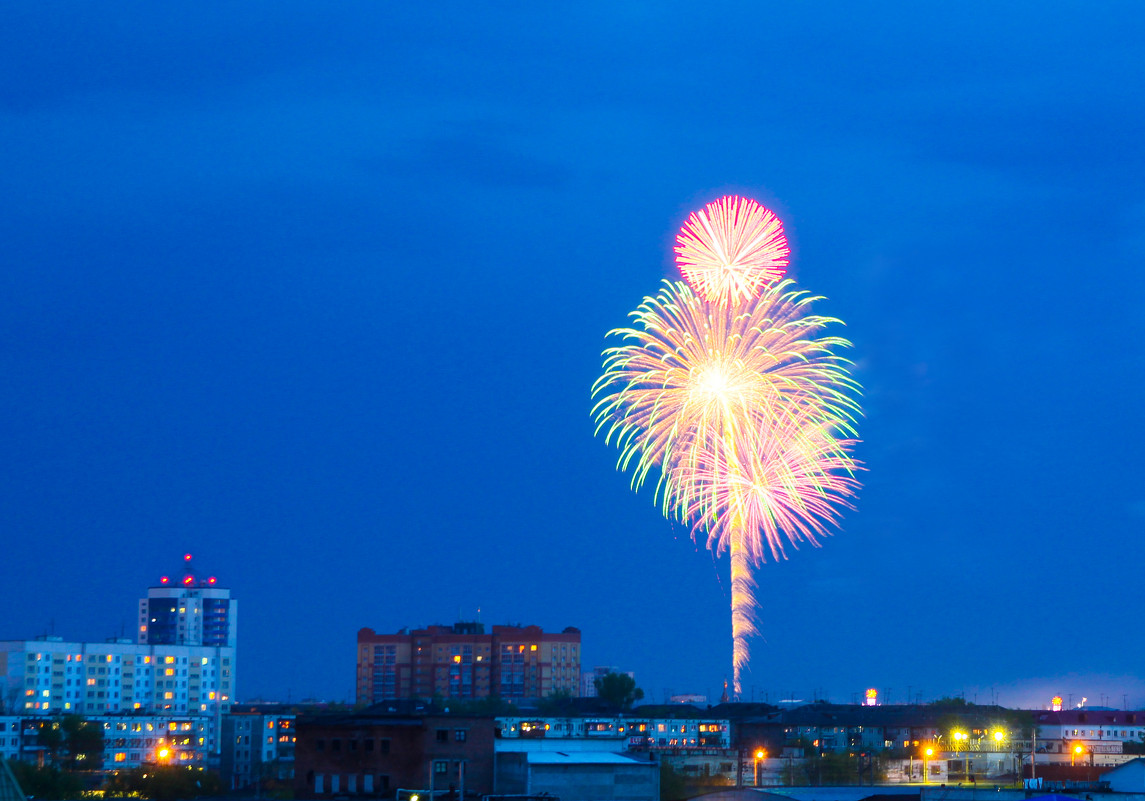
(742, 403)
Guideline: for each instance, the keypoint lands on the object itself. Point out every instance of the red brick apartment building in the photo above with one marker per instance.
(463, 661)
(376, 755)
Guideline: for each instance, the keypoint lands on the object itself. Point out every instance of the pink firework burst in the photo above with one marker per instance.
(729, 249)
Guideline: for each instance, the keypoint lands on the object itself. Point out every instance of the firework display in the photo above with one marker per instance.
(729, 249)
(735, 394)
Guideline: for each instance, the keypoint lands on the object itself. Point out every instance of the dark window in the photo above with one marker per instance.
(384, 746)
(335, 744)
(443, 735)
(383, 782)
(353, 745)
(319, 745)
(369, 743)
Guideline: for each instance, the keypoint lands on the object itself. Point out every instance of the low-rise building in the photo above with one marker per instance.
(378, 753)
(1097, 736)
(258, 745)
(129, 741)
(580, 775)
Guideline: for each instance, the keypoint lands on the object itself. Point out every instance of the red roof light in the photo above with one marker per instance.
(163, 580)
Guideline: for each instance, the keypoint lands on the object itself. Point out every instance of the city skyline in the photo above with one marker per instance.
(1111, 692)
(319, 296)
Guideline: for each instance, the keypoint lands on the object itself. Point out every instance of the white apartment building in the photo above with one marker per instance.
(50, 676)
(129, 741)
(632, 731)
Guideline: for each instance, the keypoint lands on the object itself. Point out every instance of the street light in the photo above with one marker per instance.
(759, 754)
(961, 737)
(926, 755)
(1077, 751)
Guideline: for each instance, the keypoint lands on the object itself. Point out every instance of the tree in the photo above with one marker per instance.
(556, 704)
(9, 698)
(163, 783)
(46, 782)
(73, 741)
(672, 784)
(51, 738)
(617, 689)
(83, 741)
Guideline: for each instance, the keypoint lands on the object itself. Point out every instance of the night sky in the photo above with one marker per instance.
(317, 293)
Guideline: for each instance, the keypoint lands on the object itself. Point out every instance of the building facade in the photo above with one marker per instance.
(464, 661)
(1097, 732)
(257, 746)
(49, 676)
(129, 741)
(376, 755)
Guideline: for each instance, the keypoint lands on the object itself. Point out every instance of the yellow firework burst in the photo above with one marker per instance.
(748, 412)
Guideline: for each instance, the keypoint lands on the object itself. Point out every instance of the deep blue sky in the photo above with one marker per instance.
(317, 292)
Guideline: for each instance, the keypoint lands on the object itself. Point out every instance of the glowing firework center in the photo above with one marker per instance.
(732, 390)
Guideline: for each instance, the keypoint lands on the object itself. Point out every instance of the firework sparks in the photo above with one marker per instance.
(729, 249)
(693, 375)
(785, 479)
(737, 396)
